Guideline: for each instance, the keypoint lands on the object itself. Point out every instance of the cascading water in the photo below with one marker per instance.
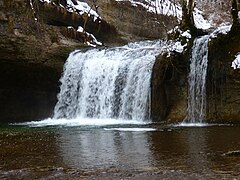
(197, 81)
(108, 83)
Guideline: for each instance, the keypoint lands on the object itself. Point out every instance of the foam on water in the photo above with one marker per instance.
(81, 122)
(130, 129)
(191, 125)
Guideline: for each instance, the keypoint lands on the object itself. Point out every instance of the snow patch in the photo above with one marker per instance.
(191, 125)
(169, 8)
(95, 42)
(221, 30)
(159, 7)
(79, 7)
(92, 40)
(178, 47)
(186, 34)
(236, 62)
(199, 21)
(80, 29)
(48, 1)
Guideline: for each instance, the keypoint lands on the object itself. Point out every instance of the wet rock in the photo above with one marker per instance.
(59, 16)
(29, 78)
(32, 53)
(223, 85)
(169, 95)
(169, 88)
(134, 22)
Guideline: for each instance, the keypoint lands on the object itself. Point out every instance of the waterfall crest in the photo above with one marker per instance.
(197, 81)
(108, 83)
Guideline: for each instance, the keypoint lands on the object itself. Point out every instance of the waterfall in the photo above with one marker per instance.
(197, 81)
(108, 82)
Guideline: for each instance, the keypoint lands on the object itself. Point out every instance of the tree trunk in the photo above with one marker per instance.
(187, 22)
(234, 11)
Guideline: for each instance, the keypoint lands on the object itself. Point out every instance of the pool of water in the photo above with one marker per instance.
(119, 151)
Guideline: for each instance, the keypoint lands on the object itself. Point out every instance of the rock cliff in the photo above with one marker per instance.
(33, 52)
(223, 81)
(170, 83)
(35, 42)
(32, 55)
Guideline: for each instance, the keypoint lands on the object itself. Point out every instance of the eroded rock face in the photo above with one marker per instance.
(30, 72)
(170, 83)
(134, 22)
(223, 81)
(32, 53)
(31, 61)
(169, 88)
(58, 16)
(27, 92)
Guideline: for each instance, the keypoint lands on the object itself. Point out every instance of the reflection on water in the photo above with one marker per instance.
(99, 148)
(197, 147)
(126, 151)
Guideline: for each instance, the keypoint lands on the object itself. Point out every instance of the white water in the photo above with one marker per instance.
(196, 110)
(130, 129)
(108, 84)
(81, 122)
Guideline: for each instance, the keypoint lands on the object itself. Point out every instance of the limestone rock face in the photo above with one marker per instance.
(32, 56)
(134, 22)
(34, 44)
(224, 81)
(169, 88)
(170, 83)
(30, 72)
(59, 16)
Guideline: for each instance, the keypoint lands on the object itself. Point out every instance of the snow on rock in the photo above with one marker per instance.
(199, 21)
(165, 7)
(186, 34)
(174, 46)
(48, 1)
(236, 62)
(180, 44)
(79, 7)
(178, 47)
(92, 41)
(80, 29)
(169, 8)
(221, 30)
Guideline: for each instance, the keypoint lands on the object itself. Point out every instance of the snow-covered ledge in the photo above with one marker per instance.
(236, 62)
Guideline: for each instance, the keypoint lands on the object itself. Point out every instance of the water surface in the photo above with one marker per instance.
(119, 151)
